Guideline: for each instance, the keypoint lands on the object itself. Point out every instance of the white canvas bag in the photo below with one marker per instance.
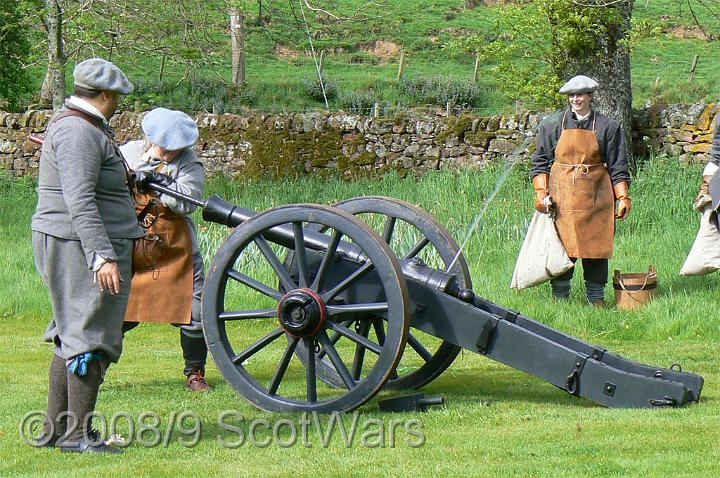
(704, 256)
(542, 255)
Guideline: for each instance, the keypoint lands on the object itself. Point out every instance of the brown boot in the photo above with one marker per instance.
(196, 381)
(599, 303)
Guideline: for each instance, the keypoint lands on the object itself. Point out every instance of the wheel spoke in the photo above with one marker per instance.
(357, 338)
(275, 263)
(333, 310)
(326, 262)
(310, 375)
(389, 229)
(300, 256)
(347, 282)
(380, 333)
(257, 346)
(282, 366)
(254, 284)
(333, 340)
(248, 314)
(419, 246)
(359, 359)
(419, 348)
(379, 330)
(337, 361)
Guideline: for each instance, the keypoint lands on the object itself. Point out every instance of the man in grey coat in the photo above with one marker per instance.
(83, 232)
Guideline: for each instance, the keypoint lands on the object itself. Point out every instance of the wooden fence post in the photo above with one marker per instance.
(692, 68)
(401, 66)
(477, 67)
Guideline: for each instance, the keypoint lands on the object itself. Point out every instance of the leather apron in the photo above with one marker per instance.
(583, 195)
(162, 285)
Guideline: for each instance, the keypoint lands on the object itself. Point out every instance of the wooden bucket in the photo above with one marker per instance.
(635, 289)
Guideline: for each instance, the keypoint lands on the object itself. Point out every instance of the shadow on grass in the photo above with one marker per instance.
(487, 387)
(689, 285)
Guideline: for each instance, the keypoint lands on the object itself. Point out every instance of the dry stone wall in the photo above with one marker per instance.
(349, 146)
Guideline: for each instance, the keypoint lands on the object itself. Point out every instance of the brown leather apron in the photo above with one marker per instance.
(162, 285)
(583, 195)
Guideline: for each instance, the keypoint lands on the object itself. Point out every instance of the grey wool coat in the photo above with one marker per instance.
(84, 211)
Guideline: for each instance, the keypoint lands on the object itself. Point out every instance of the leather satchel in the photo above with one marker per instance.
(155, 249)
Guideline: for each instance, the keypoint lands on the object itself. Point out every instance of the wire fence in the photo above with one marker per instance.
(385, 110)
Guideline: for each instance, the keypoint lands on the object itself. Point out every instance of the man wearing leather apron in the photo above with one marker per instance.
(169, 290)
(580, 173)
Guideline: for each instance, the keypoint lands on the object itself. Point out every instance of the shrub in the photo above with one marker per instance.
(440, 90)
(197, 95)
(358, 101)
(314, 89)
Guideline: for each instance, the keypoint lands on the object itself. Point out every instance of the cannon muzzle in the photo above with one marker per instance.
(220, 211)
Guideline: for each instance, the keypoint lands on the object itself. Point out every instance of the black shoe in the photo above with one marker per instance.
(93, 443)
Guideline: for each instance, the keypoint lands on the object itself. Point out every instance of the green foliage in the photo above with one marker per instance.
(439, 91)
(14, 52)
(203, 94)
(319, 89)
(358, 101)
(151, 41)
(23, 187)
(536, 43)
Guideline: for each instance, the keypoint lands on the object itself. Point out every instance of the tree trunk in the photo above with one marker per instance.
(53, 87)
(609, 64)
(237, 32)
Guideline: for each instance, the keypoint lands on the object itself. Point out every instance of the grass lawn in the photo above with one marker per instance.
(496, 421)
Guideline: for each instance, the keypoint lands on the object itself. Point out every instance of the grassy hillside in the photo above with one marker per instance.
(362, 56)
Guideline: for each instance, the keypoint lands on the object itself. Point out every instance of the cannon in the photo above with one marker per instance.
(309, 307)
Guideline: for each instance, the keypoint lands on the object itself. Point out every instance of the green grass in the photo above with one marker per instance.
(497, 421)
(421, 28)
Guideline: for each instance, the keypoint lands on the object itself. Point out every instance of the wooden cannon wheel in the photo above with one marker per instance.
(251, 300)
(410, 232)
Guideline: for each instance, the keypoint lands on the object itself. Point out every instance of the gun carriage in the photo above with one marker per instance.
(361, 312)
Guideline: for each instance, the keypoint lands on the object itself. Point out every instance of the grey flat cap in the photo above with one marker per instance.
(579, 84)
(101, 75)
(170, 129)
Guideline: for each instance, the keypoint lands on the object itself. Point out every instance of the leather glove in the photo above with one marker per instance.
(703, 195)
(543, 203)
(623, 198)
(143, 178)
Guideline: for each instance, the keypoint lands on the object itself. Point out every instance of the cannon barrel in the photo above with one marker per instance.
(220, 211)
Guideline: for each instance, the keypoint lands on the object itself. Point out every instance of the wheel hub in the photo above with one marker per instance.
(302, 312)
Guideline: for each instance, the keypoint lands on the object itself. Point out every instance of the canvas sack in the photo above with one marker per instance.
(542, 255)
(704, 256)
